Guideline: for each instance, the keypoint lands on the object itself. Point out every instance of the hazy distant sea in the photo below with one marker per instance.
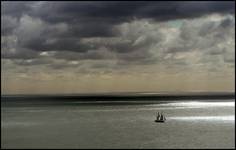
(190, 124)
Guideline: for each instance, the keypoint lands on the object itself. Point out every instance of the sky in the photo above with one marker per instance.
(91, 47)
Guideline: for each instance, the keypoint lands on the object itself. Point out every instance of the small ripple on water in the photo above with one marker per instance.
(19, 123)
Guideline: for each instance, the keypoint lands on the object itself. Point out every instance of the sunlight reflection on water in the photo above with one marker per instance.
(204, 118)
(199, 104)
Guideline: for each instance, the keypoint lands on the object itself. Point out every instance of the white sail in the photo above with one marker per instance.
(161, 117)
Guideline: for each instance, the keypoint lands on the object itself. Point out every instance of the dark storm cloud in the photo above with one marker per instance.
(61, 26)
(62, 44)
(16, 8)
(91, 29)
(7, 25)
(21, 53)
(116, 11)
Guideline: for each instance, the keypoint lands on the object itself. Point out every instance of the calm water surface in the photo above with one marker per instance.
(190, 124)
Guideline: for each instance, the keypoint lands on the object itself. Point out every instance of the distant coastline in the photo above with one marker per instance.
(129, 96)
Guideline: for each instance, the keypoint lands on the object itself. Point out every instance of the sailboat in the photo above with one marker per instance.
(160, 118)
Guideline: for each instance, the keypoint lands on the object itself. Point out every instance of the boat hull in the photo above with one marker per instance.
(161, 121)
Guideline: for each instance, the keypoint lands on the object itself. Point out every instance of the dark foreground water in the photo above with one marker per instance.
(190, 124)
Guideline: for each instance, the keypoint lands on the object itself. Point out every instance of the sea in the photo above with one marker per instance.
(111, 125)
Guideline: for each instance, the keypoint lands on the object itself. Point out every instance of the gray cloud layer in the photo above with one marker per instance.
(112, 31)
